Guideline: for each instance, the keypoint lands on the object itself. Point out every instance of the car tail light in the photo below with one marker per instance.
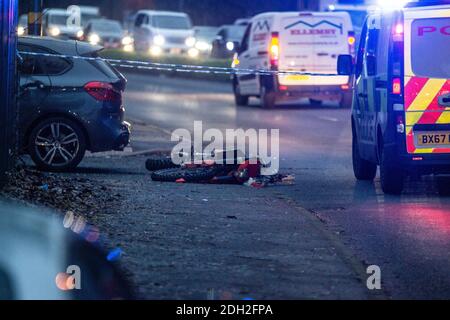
(274, 50)
(103, 91)
(345, 87)
(396, 86)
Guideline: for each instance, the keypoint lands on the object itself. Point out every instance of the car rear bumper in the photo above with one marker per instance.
(324, 92)
(110, 134)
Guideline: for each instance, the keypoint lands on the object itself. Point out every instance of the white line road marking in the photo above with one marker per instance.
(329, 119)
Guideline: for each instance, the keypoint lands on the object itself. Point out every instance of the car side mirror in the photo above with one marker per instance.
(371, 63)
(219, 38)
(345, 65)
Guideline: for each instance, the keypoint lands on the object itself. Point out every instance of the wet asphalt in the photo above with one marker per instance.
(407, 236)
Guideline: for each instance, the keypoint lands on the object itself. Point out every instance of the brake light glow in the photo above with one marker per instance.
(351, 40)
(396, 86)
(345, 87)
(102, 91)
(398, 32)
(274, 50)
(283, 88)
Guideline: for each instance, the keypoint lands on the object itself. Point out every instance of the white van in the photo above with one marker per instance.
(164, 32)
(304, 42)
(58, 24)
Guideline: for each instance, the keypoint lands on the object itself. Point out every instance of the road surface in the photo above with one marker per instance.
(408, 237)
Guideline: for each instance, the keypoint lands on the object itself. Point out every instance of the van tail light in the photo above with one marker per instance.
(396, 86)
(274, 50)
(351, 39)
(103, 91)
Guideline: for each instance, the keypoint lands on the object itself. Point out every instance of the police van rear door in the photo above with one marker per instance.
(427, 79)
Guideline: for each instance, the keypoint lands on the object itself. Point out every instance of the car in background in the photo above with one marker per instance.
(67, 106)
(304, 48)
(107, 33)
(164, 32)
(88, 13)
(55, 24)
(242, 22)
(358, 14)
(227, 41)
(204, 36)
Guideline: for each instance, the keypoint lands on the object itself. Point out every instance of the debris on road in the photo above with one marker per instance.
(76, 194)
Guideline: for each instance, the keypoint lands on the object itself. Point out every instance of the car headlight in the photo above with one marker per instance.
(230, 46)
(193, 52)
(127, 40)
(159, 40)
(20, 31)
(80, 34)
(190, 41)
(203, 46)
(155, 51)
(55, 31)
(94, 38)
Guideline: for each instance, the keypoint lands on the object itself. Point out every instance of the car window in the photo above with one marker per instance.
(431, 33)
(139, 20)
(361, 51)
(383, 46)
(42, 65)
(171, 22)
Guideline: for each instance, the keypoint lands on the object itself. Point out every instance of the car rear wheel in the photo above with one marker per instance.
(268, 97)
(239, 99)
(391, 176)
(363, 169)
(57, 144)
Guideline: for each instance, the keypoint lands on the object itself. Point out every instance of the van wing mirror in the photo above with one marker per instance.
(371, 63)
(345, 65)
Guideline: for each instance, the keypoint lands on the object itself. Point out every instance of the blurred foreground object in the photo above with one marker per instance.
(36, 251)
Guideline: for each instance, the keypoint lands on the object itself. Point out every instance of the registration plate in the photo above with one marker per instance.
(175, 51)
(296, 77)
(427, 139)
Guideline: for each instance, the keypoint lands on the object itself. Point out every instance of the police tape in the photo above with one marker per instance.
(172, 67)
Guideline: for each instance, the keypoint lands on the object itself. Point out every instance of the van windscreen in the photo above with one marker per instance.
(430, 48)
(171, 22)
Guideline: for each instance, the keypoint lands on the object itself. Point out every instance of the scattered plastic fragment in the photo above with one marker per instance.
(114, 255)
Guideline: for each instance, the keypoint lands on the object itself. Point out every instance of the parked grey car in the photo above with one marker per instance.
(66, 105)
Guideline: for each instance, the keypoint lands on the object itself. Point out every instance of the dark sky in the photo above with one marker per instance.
(213, 12)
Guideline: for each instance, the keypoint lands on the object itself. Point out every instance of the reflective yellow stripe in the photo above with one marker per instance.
(427, 94)
(444, 118)
(412, 118)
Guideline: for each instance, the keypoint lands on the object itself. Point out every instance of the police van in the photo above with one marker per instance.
(401, 109)
(303, 45)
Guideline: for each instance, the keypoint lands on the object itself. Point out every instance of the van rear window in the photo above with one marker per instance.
(430, 48)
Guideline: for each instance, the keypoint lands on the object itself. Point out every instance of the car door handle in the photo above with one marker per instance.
(246, 56)
(362, 95)
(444, 100)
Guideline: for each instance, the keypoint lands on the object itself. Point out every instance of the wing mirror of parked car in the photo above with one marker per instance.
(345, 65)
(371, 63)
